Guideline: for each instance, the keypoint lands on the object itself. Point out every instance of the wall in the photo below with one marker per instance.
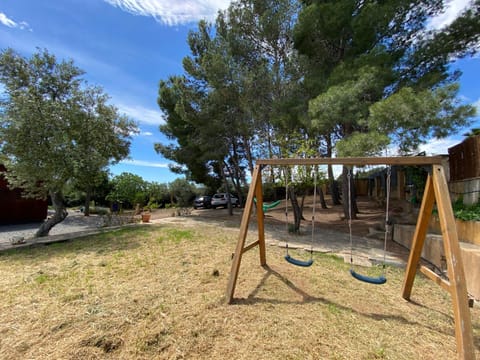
(468, 190)
(433, 251)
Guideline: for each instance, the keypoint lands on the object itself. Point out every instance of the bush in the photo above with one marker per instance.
(466, 212)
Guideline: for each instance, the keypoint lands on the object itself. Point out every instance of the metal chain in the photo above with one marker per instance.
(349, 177)
(313, 209)
(286, 207)
(387, 218)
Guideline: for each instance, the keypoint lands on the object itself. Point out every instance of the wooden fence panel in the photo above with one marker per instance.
(464, 159)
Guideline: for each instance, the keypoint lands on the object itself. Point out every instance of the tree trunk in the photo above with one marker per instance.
(60, 214)
(302, 203)
(349, 202)
(227, 189)
(86, 209)
(322, 197)
(333, 186)
(248, 154)
(235, 175)
(297, 213)
(238, 189)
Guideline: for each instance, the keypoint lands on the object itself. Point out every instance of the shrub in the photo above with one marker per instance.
(466, 212)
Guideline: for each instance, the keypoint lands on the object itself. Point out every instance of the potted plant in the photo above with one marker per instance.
(146, 214)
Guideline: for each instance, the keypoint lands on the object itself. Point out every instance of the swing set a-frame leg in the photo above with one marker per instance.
(436, 190)
(255, 191)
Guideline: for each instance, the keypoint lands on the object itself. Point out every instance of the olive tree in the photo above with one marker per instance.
(55, 128)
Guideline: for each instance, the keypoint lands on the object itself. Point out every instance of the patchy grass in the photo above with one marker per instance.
(158, 292)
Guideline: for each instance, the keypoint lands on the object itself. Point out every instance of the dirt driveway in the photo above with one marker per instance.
(331, 232)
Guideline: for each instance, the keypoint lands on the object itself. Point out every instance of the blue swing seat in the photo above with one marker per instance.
(297, 262)
(368, 279)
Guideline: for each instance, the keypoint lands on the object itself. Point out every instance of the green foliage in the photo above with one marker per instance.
(377, 75)
(183, 192)
(466, 212)
(158, 192)
(55, 129)
(53, 122)
(473, 132)
(129, 189)
(240, 95)
(362, 144)
(302, 79)
(411, 117)
(99, 210)
(152, 205)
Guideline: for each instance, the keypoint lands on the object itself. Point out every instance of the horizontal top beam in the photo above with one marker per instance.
(398, 160)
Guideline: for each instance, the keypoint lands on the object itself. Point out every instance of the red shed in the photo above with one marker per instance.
(14, 209)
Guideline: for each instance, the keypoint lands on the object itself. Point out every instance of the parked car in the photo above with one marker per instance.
(202, 202)
(221, 199)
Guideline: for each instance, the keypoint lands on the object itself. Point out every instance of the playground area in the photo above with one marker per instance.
(158, 291)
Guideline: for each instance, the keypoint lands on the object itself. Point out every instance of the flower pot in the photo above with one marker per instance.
(146, 217)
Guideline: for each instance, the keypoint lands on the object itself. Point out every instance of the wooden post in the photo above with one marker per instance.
(436, 190)
(260, 221)
(237, 257)
(456, 275)
(419, 238)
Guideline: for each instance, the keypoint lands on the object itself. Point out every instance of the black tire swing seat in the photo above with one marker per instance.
(375, 280)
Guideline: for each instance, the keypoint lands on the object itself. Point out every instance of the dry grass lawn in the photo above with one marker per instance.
(157, 292)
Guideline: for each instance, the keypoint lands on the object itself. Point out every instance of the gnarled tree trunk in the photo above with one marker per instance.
(297, 212)
(60, 214)
(323, 203)
(86, 208)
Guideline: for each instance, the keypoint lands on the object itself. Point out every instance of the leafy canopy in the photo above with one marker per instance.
(54, 127)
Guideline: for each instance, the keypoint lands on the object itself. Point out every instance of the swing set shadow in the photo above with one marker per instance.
(306, 298)
(436, 191)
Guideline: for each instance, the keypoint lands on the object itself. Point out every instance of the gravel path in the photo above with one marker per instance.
(74, 222)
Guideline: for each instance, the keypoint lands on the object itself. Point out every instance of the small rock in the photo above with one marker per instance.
(16, 240)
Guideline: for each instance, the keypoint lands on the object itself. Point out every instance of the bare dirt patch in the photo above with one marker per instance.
(158, 292)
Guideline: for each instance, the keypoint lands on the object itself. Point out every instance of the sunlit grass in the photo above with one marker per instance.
(159, 292)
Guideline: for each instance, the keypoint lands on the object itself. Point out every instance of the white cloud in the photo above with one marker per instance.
(173, 12)
(142, 114)
(146, 133)
(5, 20)
(438, 146)
(144, 163)
(453, 9)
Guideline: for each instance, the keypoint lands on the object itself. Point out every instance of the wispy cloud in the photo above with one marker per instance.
(144, 163)
(173, 12)
(438, 146)
(6, 21)
(453, 9)
(142, 114)
(146, 133)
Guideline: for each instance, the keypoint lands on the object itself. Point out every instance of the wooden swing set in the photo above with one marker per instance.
(436, 191)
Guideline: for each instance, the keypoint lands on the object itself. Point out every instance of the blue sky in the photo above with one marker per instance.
(128, 46)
